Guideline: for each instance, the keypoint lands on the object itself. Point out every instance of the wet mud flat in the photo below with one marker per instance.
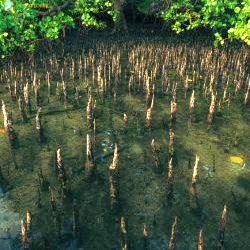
(143, 144)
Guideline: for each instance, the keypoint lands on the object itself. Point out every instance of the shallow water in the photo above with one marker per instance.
(142, 188)
(9, 223)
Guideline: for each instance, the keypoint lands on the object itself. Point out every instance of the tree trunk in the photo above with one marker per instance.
(120, 23)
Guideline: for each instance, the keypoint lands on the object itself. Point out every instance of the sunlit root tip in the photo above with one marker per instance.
(153, 143)
(28, 226)
(90, 163)
(170, 183)
(123, 226)
(193, 191)
(195, 170)
(200, 240)
(145, 230)
(58, 158)
(11, 134)
(28, 217)
(155, 152)
(171, 142)
(61, 171)
(39, 126)
(125, 119)
(152, 102)
(173, 110)
(123, 233)
(89, 110)
(223, 217)
(191, 103)
(145, 238)
(24, 235)
(148, 117)
(211, 108)
(170, 169)
(114, 164)
(114, 180)
(65, 90)
(5, 116)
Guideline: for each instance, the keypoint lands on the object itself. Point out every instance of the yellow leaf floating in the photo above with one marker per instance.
(189, 81)
(236, 160)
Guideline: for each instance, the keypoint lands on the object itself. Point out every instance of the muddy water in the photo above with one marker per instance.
(142, 194)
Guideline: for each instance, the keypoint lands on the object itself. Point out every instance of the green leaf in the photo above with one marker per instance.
(237, 10)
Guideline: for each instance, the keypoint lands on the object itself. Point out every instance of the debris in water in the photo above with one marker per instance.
(236, 160)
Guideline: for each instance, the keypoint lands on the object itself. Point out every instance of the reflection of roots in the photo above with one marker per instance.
(193, 190)
(76, 224)
(157, 161)
(210, 118)
(113, 194)
(155, 155)
(191, 119)
(194, 202)
(40, 135)
(221, 239)
(89, 169)
(170, 193)
(2, 178)
(114, 198)
(172, 122)
(65, 190)
(13, 140)
(90, 122)
(171, 150)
